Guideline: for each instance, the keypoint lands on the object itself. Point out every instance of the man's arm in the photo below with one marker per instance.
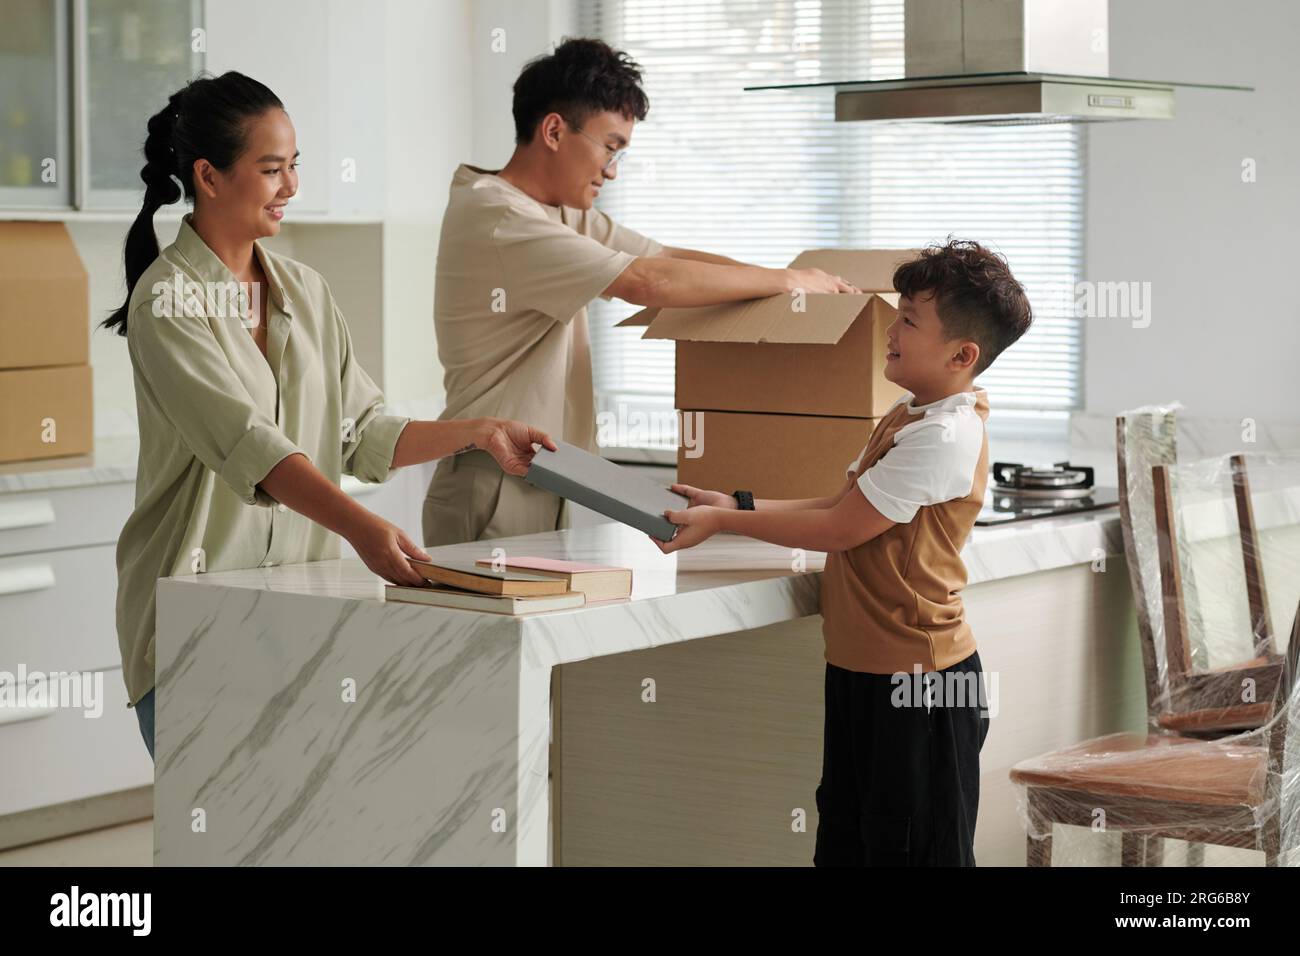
(663, 281)
(695, 255)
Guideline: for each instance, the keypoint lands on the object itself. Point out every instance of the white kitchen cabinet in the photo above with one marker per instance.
(58, 610)
(79, 81)
(60, 755)
(136, 53)
(64, 517)
(58, 591)
(35, 140)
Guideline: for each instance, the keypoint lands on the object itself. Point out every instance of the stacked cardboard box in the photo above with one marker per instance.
(45, 382)
(780, 394)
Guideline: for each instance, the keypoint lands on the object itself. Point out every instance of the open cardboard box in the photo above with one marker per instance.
(782, 398)
(819, 354)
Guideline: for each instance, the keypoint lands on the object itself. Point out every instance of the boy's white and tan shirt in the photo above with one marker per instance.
(215, 416)
(894, 603)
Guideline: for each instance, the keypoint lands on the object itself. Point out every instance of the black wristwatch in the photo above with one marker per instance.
(744, 500)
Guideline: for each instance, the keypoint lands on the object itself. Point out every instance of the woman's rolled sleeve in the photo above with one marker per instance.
(370, 457)
(261, 449)
(369, 436)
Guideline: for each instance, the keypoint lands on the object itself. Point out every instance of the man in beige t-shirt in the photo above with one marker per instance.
(523, 251)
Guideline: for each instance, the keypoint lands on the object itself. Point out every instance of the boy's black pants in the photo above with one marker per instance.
(900, 784)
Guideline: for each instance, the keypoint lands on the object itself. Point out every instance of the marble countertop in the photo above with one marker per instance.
(317, 724)
(737, 575)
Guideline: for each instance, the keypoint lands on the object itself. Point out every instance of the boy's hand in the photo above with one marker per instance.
(695, 525)
(700, 498)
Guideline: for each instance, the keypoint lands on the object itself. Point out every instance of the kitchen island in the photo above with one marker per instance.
(303, 720)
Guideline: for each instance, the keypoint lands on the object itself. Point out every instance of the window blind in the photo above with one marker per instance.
(761, 176)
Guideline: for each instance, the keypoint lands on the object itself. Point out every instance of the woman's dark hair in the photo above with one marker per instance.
(583, 76)
(206, 119)
(974, 293)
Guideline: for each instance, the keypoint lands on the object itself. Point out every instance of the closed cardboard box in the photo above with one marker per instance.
(44, 302)
(815, 354)
(774, 456)
(40, 404)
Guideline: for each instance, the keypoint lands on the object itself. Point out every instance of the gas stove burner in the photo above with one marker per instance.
(1061, 481)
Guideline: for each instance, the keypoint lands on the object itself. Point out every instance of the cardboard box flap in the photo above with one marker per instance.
(638, 319)
(871, 270)
(824, 319)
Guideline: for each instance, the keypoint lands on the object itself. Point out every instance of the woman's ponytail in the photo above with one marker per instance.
(204, 120)
(160, 189)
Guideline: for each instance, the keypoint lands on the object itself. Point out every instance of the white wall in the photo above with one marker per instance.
(425, 59)
(530, 28)
(449, 80)
(1167, 205)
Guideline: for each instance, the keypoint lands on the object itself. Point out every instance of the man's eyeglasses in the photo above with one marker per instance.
(615, 155)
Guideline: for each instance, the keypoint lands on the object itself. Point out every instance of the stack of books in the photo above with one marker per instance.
(522, 585)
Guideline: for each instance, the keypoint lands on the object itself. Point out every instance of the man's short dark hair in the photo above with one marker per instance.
(974, 292)
(582, 77)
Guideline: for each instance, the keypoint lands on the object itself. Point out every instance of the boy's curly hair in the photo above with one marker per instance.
(583, 76)
(975, 295)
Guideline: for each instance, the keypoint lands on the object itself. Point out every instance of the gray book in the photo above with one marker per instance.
(606, 488)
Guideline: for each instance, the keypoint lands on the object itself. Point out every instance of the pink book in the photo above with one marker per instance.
(599, 582)
(551, 564)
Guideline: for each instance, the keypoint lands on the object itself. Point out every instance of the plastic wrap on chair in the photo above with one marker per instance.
(1220, 770)
(1146, 437)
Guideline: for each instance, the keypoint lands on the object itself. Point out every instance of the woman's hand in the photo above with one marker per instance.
(694, 526)
(511, 444)
(384, 548)
(700, 498)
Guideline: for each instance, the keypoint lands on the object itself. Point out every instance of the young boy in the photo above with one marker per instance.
(900, 765)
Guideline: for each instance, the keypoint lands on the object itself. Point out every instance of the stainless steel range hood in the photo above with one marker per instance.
(1003, 62)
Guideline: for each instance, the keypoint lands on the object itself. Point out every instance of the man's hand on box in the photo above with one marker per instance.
(694, 526)
(700, 498)
(815, 280)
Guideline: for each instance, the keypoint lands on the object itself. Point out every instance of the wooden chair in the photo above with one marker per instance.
(1170, 785)
(1177, 700)
(1152, 787)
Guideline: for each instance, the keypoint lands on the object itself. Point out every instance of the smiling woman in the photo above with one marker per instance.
(246, 430)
